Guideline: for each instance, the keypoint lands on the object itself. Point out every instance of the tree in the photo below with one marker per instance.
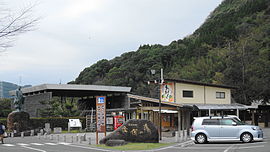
(5, 107)
(12, 24)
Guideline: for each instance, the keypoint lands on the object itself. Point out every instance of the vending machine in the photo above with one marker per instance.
(118, 121)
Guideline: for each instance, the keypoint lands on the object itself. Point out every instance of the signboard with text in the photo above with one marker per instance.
(101, 113)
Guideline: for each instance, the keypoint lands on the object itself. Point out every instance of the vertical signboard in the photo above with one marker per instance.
(100, 115)
(167, 92)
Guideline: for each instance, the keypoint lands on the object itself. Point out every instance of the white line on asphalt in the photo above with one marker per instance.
(88, 148)
(226, 150)
(173, 146)
(63, 143)
(34, 149)
(8, 145)
(53, 144)
(37, 144)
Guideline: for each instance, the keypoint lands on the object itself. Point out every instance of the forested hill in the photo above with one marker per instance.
(232, 47)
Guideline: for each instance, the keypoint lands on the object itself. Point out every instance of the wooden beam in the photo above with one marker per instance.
(157, 108)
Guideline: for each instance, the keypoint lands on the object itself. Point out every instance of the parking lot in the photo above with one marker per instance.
(263, 146)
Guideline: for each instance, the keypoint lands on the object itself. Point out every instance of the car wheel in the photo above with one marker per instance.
(201, 138)
(246, 137)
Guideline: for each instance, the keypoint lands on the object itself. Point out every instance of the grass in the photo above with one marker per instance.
(73, 131)
(136, 146)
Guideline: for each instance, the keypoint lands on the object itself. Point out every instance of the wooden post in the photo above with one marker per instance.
(179, 124)
(252, 117)
(188, 122)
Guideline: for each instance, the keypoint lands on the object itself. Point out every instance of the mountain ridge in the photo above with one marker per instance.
(231, 47)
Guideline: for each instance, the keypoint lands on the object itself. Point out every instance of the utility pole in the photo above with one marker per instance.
(160, 83)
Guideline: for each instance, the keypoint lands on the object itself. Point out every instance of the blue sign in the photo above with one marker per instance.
(101, 99)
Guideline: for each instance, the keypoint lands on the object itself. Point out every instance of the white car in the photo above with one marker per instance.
(224, 128)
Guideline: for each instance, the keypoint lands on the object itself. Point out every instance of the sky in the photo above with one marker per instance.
(74, 34)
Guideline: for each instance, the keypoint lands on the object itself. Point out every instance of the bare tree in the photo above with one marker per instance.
(12, 24)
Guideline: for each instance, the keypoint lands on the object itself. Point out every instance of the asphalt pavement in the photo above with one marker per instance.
(75, 142)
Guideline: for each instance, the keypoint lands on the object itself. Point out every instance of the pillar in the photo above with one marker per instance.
(237, 113)
(252, 117)
(179, 126)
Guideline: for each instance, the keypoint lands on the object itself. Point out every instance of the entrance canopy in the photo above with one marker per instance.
(220, 106)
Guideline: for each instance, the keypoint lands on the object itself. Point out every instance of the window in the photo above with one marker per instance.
(210, 122)
(227, 122)
(220, 95)
(187, 94)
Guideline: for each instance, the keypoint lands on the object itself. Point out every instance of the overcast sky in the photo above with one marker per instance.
(74, 34)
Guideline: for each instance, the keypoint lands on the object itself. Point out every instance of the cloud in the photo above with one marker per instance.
(74, 34)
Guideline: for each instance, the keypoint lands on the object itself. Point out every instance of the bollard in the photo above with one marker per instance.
(45, 136)
(58, 138)
(84, 137)
(41, 131)
(181, 136)
(32, 133)
(80, 139)
(65, 138)
(89, 140)
(176, 136)
(51, 137)
(185, 135)
(71, 139)
(77, 138)
(22, 134)
(12, 135)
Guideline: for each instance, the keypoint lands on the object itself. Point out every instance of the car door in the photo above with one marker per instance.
(212, 128)
(228, 129)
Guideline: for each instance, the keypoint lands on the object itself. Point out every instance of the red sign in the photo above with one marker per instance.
(118, 121)
(101, 113)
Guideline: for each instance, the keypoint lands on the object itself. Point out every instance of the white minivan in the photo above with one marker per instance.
(223, 128)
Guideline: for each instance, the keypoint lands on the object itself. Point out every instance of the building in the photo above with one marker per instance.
(209, 99)
(85, 95)
(181, 100)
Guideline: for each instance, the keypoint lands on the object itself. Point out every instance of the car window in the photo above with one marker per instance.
(210, 122)
(226, 122)
(238, 122)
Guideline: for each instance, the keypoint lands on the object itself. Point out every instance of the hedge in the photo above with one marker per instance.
(36, 123)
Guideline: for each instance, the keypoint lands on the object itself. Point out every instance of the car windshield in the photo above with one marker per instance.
(238, 122)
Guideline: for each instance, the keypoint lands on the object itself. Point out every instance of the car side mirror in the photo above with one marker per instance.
(234, 123)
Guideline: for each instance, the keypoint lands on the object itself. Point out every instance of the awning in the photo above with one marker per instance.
(219, 106)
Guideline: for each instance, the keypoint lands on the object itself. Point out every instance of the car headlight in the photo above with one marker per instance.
(255, 128)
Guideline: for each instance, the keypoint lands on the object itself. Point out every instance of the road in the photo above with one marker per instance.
(33, 144)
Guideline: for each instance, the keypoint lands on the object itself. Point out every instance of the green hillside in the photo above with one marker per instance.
(232, 47)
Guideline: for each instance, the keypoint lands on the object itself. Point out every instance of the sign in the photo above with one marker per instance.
(101, 99)
(167, 92)
(109, 121)
(101, 113)
(75, 123)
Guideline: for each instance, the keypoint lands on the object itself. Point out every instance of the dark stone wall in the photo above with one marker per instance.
(32, 103)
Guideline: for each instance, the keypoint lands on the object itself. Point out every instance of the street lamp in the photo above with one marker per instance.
(159, 104)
